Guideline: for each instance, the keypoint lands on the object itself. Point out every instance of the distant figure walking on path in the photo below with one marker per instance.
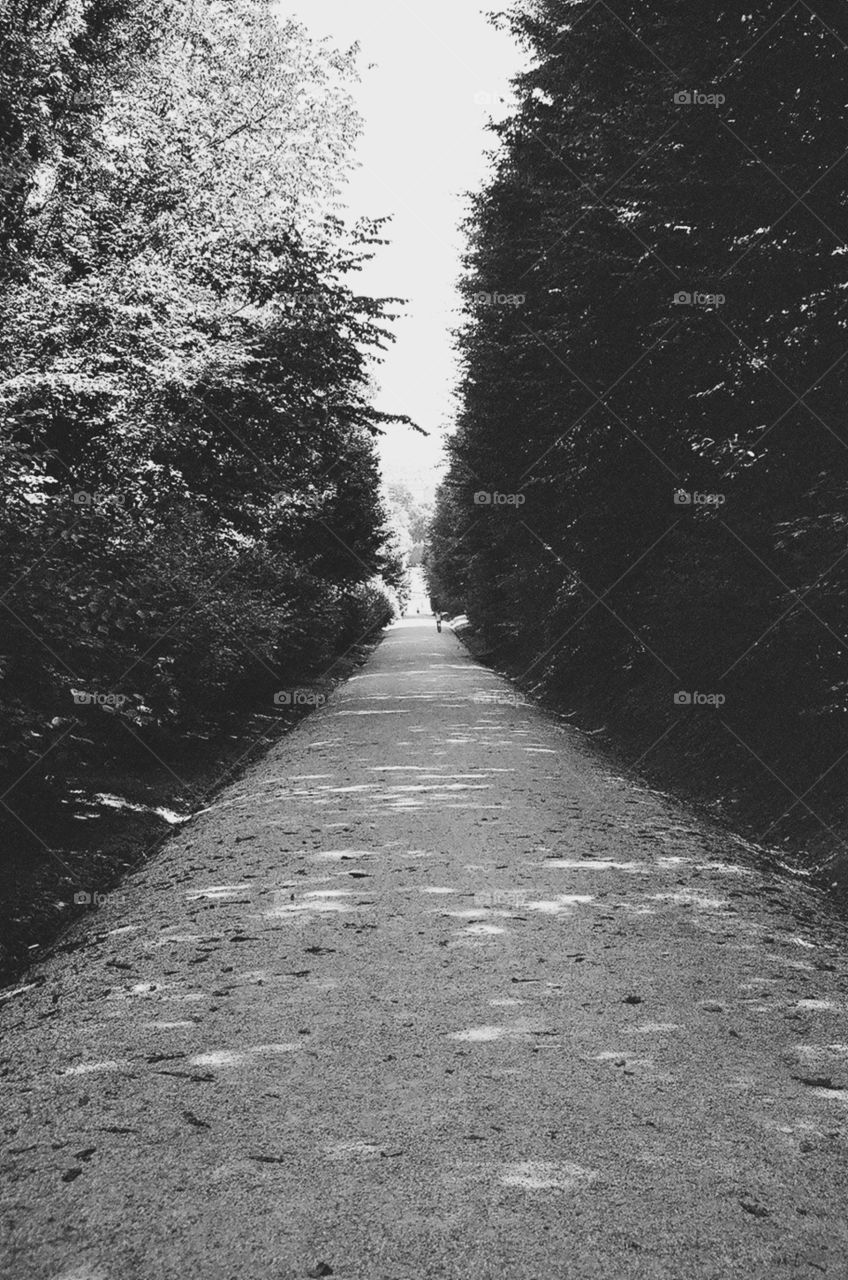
(438, 622)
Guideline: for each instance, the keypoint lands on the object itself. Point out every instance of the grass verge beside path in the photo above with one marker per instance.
(120, 815)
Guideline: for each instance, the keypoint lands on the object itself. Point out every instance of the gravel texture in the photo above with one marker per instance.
(433, 992)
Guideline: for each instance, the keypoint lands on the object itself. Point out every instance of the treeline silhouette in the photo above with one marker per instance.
(190, 508)
(645, 512)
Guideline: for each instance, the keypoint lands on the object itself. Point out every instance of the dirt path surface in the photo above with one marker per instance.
(432, 992)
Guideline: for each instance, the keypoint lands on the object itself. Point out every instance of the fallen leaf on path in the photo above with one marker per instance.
(819, 1082)
(195, 1120)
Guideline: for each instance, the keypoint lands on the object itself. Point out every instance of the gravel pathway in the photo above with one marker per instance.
(433, 992)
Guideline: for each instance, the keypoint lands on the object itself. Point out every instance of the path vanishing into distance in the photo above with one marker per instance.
(433, 991)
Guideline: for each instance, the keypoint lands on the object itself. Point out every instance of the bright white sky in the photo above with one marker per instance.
(432, 75)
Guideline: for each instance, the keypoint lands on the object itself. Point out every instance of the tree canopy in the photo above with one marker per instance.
(654, 374)
(190, 491)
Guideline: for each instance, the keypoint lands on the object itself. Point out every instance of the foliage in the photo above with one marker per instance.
(658, 152)
(409, 521)
(190, 496)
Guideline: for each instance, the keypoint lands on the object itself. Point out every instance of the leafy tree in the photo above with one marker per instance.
(656, 153)
(191, 504)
